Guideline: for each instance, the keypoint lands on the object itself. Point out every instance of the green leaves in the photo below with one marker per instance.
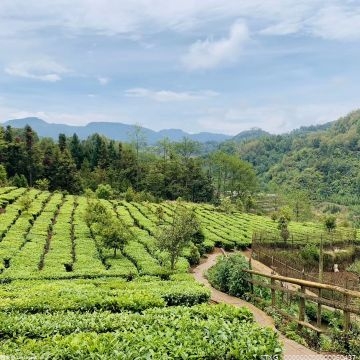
(203, 331)
(174, 237)
(99, 294)
(227, 275)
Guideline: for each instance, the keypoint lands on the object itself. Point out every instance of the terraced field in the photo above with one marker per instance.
(62, 295)
(49, 238)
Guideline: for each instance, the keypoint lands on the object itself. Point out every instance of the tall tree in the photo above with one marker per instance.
(76, 150)
(62, 142)
(30, 153)
(138, 141)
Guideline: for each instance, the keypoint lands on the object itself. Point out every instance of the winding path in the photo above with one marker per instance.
(291, 348)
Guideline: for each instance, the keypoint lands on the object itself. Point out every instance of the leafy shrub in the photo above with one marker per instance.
(104, 191)
(310, 254)
(228, 275)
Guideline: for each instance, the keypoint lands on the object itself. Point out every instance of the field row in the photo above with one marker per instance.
(203, 331)
(45, 235)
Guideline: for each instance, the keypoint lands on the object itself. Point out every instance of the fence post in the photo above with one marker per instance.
(346, 312)
(318, 315)
(251, 275)
(302, 302)
(273, 294)
(321, 278)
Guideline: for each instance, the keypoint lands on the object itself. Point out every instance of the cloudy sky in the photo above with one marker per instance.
(199, 65)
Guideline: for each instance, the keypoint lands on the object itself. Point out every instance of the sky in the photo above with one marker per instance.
(199, 65)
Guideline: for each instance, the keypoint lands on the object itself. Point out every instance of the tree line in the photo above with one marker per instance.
(169, 170)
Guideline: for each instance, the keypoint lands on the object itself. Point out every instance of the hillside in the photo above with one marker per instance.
(64, 296)
(50, 238)
(323, 161)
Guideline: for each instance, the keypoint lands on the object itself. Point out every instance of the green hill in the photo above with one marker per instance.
(321, 160)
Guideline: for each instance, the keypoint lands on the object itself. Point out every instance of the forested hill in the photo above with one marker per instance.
(322, 160)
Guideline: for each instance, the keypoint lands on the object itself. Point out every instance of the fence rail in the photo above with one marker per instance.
(347, 279)
(298, 290)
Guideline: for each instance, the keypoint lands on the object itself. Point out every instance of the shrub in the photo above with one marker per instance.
(104, 191)
(228, 275)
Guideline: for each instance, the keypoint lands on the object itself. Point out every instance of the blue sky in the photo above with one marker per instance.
(199, 65)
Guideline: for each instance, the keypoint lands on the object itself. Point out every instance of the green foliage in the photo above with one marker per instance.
(25, 202)
(232, 175)
(226, 205)
(96, 212)
(330, 223)
(239, 205)
(130, 194)
(3, 175)
(73, 165)
(283, 227)
(310, 254)
(19, 180)
(211, 332)
(115, 234)
(332, 209)
(42, 184)
(113, 231)
(175, 237)
(33, 296)
(228, 275)
(321, 161)
(104, 191)
(355, 267)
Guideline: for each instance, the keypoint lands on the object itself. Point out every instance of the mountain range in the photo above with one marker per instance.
(112, 130)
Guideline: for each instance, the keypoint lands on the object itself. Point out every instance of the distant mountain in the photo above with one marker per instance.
(251, 134)
(112, 130)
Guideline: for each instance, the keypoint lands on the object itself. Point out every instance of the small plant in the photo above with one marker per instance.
(42, 184)
(330, 223)
(228, 275)
(25, 202)
(283, 227)
(104, 191)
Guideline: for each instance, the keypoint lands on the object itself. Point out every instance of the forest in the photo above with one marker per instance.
(322, 161)
(314, 164)
(167, 171)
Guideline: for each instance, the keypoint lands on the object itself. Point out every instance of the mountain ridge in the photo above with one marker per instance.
(112, 130)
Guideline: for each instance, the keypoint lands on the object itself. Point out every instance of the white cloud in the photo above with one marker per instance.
(276, 119)
(332, 19)
(209, 54)
(169, 96)
(282, 28)
(41, 69)
(337, 23)
(103, 80)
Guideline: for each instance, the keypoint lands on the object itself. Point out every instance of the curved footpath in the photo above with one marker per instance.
(291, 348)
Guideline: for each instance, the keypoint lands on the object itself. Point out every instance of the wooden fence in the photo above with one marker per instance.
(343, 278)
(298, 289)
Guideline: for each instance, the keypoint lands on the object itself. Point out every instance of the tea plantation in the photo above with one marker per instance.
(64, 296)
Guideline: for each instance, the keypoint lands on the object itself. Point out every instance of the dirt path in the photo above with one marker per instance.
(290, 346)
